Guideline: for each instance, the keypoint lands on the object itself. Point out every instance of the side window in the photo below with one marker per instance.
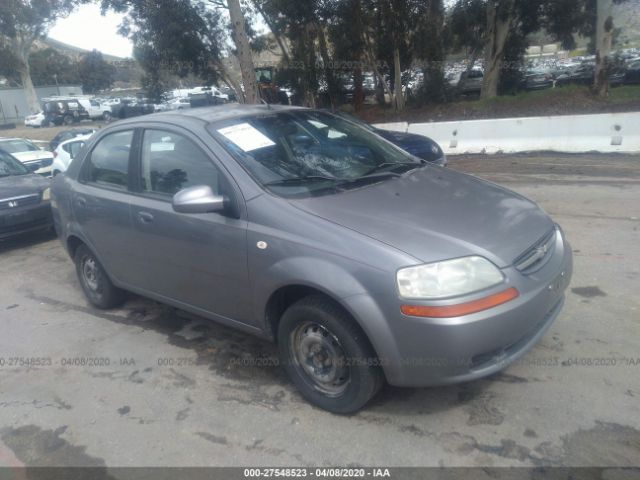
(74, 148)
(171, 162)
(109, 160)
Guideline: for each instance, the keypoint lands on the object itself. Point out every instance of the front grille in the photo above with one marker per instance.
(536, 256)
(23, 201)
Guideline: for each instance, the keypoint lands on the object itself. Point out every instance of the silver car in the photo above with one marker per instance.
(365, 264)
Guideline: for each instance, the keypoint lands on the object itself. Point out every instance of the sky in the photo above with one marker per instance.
(86, 28)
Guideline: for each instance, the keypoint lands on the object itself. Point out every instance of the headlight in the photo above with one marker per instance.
(46, 194)
(448, 279)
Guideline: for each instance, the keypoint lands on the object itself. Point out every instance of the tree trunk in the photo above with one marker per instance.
(604, 37)
(241, 41)
(228, 78)
(29, 90)
(398, 96)
(20, 47)
(332, 84)
(499, 22)
(374, 66)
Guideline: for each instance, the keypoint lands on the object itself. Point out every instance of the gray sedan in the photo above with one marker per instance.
(364, 263)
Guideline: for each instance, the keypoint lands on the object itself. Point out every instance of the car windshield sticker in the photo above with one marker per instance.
(246, 137)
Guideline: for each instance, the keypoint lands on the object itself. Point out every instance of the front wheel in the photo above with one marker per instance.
(95, 282)
(328, 356)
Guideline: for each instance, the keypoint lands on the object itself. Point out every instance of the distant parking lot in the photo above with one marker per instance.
(147, 385)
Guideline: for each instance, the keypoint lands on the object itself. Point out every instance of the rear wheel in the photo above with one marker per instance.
(106, 116)
(327, 355)
(67, 120)
(95, 282)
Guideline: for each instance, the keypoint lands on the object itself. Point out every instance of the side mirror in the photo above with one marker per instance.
(198, 199)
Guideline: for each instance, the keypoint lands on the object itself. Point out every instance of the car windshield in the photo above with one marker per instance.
(308, 152)
(16, 146)
(9, 166)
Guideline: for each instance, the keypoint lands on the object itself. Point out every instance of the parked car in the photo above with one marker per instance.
(418, 145)
(95, 110)
(24, 198)
(537, 80)
(128, 108)
(36, 120)
(178, 104)
(65, 135)
(58, 111)
(632, 73)
(364, 263)
(471, 83)
(585, 75)
(29, 154)
(65, 152)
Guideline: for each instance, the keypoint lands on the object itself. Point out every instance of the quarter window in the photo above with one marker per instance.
(109, 160)
(172, 162)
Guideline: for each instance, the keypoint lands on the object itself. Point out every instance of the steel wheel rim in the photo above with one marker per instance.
(320, 359)
(90, 274)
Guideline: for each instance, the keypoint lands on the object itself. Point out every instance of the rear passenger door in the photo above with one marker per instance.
(101, 201)
(197, 260)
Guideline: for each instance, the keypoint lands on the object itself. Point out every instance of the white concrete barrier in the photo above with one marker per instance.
(606, 133)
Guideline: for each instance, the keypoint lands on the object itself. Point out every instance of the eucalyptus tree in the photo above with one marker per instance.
(22, 22)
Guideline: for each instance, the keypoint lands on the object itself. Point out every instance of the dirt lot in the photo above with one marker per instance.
(144, 385)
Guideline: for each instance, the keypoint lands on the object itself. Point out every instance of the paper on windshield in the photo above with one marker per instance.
(246, 137)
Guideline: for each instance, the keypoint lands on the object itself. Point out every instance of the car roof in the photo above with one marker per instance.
(210, 114)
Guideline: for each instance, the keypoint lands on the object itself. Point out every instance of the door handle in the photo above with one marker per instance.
(145, 217)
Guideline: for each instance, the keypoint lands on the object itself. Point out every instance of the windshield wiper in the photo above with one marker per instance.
(301, 180)
(382, 166)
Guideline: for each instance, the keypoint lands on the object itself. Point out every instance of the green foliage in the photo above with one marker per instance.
(48, 66)
(95, 73)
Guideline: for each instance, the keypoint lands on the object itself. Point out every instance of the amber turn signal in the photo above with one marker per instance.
(447, 311)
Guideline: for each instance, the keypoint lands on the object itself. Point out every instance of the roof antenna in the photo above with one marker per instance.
(266, 103)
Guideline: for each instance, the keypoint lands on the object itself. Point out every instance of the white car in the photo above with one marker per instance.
(178, 104)
(65, 152)
(28, 153)
(93, 108)
(35, 120)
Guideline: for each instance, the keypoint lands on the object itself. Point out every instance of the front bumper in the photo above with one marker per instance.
(25, 219)
(418, 352)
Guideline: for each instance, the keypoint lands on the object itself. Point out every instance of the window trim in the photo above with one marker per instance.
(136, 167)
(86, 161)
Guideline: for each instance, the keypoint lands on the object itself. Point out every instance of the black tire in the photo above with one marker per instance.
(106, 116)
(327, 328)
(95, 282)
(67, 120)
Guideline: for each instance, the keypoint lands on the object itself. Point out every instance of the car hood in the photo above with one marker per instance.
(418, 145)
(17, 185)
(434, 214)
(32, 155)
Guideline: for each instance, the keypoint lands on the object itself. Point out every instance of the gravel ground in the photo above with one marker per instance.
(165, 389)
